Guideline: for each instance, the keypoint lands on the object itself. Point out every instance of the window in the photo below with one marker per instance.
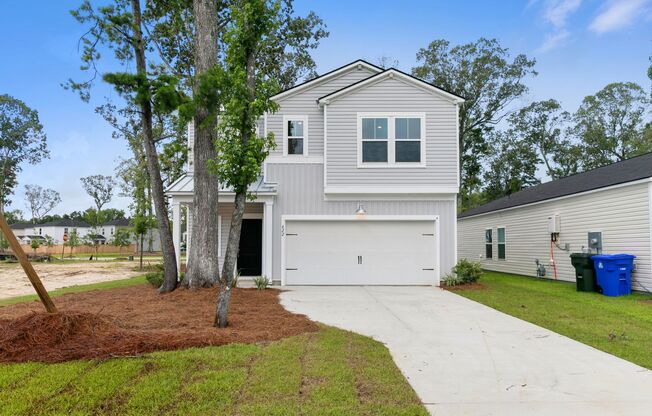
(295, 129)
(65, 230)
(501, 243)
(40, 231)
(391, 139)
(488, 243)
(374, 140)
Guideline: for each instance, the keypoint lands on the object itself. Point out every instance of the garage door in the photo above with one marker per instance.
(360, 252)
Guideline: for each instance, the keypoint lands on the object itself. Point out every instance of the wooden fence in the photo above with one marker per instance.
(57, 249)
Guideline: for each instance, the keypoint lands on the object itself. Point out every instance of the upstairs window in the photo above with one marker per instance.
(296, 135)
(393, 140)
(488, 243)
(501, 243)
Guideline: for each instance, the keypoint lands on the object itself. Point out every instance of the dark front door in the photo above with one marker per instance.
(250, 255)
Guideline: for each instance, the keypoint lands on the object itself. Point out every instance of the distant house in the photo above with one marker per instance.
(151, 240)
(607, 210)
(57, 228)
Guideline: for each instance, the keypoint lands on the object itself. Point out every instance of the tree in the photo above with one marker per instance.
(481, 73)
(40, 201)
(542, 125)
(73, 241)
(35, 244)
(202, 265)
(100, 188)
(120, 26)
(610, 125)
(386, 62)
(512, 167)
(14, 216)
(246, 98)
(121, 238)
(49, 243)
(22, 140)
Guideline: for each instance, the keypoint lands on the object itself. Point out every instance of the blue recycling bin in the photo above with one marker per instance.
(614, 273)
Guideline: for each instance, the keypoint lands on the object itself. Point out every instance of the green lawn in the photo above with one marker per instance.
(329, 372)
(621, 326)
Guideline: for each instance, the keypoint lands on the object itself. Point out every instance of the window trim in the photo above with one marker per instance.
(498, 243)
(391, 140)
(489, 244)
(298, 117)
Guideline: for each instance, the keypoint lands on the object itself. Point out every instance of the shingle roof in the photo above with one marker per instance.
(21, 226)
(118, 222)
(630, 170)
(66, 222)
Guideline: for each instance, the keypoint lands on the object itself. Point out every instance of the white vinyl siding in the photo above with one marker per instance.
(392, 96)
(621, 214)
(304, 102)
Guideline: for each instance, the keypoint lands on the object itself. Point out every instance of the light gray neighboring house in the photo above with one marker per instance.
(55, 229)
(361, 188)
(608, 208)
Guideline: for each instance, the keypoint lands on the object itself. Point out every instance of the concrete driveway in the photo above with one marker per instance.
(464, 358)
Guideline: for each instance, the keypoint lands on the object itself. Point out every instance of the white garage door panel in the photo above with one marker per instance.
(360, 252)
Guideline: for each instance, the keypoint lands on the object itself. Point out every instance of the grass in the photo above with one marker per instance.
(330, 372)
(80, 288)
(621, 326)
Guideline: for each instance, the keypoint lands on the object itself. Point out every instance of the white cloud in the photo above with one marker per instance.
(553, 40)
(618, 14)
(556, 13)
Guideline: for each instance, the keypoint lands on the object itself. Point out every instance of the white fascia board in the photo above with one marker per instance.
(361, 190)
(326, 77)
(390, 73)
(559, 198)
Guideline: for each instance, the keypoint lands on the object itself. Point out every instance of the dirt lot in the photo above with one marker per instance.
(133, 320)
(13, 281)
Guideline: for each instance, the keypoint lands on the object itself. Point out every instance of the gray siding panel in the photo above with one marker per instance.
(301, 190)
(392, 95)
(305, 103)
(621, 214)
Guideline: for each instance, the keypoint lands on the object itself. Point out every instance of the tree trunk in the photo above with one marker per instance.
(230, 258)
(233, 245)
(141, 251)
(202, 264)
(158, 195)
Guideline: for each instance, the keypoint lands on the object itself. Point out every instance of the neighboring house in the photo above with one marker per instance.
(608, 209)
(57, 228)
(361, 188)
(151, 241)
(22, 231)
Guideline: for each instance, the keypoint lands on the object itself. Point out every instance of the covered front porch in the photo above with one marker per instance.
(255, 251)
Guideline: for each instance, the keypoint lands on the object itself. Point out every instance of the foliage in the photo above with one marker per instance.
(155, 278)
(73, 241)
(482, 73)
(49, 241)
(611, 124)
(468, 271)
(235, 281)
(121, 238)
(4, 244)
(100, 188)
(14, 216)
(450, 280)
(261, 282)
(40, 201)
(35, 243)
(22, 140)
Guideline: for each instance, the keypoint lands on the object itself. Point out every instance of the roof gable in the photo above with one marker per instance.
(325, 77)
(390, 73)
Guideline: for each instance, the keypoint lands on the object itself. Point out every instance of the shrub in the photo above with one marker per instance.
(451, 280)
(467, 271)
(155, 278)
(235, 280)
(261, 282)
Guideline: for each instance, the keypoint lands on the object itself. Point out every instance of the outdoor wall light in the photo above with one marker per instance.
(360, 212)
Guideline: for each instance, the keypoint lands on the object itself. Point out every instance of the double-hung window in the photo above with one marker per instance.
(392, 139)
(488, 243)
(501, 243)
(295, 129)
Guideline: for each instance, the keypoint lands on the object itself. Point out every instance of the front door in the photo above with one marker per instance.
(250, 258)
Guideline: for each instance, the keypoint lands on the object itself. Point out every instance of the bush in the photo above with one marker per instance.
(261, 282)
(451, 280)
(155, 278)
(467, 271)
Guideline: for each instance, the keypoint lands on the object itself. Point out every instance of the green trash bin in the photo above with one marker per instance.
(584, 272)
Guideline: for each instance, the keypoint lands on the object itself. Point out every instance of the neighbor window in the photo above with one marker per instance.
(374, 140)
(488, 243)
(296, 130)
(392, 140)
(501, 243)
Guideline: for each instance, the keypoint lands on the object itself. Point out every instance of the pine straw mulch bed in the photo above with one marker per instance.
(135, 320)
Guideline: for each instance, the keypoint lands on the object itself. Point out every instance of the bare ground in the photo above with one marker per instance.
(13, 281)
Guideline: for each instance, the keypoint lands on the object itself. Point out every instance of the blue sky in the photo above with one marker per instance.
(579, 45)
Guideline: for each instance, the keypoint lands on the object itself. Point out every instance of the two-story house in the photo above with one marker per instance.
(360, 190)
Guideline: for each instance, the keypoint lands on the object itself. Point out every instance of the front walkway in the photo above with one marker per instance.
(464, 358)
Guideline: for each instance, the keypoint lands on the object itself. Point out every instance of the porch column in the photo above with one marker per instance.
(268, 227)
(176, 231)
(188, 228)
